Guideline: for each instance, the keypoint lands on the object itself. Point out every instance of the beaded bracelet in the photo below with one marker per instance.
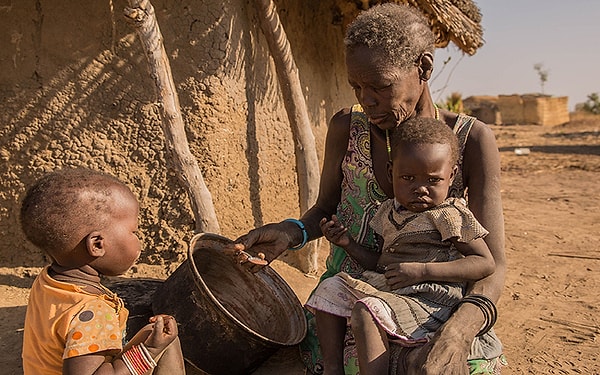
(304, 234)
(487, 307)
(147, 354)
(138, 360)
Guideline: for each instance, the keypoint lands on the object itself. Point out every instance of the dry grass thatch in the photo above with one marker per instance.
(456, 21)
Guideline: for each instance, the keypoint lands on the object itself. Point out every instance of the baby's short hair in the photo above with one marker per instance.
(424, 130)
(399, 32)
(64, 206)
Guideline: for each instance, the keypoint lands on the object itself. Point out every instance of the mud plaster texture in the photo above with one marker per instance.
(75, 91)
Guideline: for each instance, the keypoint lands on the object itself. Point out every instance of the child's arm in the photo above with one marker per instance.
(337, 234)
(163, 332)
(477, 264)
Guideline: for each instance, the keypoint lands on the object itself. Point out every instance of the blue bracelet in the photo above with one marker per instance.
(304, 234)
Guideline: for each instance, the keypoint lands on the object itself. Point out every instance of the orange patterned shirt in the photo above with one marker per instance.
(64, 321)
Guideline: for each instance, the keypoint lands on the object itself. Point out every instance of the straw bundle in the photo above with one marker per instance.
(456, 21)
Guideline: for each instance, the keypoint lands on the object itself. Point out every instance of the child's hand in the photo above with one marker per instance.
(399, 275)
(335, 232)
(164, 331)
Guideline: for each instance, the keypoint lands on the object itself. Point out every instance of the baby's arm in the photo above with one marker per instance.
(337, 234)
(162, 333)
(476, 264)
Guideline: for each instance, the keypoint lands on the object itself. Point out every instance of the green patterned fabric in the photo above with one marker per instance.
(487, 366)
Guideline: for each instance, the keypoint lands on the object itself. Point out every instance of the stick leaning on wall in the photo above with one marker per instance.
(142, 16)
(307, 162)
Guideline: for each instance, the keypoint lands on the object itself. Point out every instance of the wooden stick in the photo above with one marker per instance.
(574, 256)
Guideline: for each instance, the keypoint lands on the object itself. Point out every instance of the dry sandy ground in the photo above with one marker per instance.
(549, 317)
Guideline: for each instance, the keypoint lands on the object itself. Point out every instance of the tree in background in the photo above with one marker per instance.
(592, 104)
(142, 16)
(542, 73)
(453, 103)
(307, 162)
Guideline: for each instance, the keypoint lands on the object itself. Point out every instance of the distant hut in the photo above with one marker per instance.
(545, 110)
(529, 109)
(534, 109)
(485, 108)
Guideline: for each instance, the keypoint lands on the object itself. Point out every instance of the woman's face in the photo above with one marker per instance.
(387, 94)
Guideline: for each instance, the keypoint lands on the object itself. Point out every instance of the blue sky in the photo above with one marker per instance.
(563, 36)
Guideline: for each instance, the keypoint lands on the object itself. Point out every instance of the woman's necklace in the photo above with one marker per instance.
(387, 134)
(388, 145)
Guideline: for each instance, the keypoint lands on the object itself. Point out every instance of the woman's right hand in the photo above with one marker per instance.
(271, 240)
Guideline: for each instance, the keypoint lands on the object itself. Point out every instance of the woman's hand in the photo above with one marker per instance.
(443, 354)
(266, 242)
(399, 275)
(448, 349)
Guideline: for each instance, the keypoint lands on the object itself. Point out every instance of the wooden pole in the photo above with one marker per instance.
(307, 162)
(142, 15)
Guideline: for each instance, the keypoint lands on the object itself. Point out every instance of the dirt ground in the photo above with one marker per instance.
(549, 313)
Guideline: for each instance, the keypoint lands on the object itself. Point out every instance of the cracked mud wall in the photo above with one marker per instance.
(75, 91)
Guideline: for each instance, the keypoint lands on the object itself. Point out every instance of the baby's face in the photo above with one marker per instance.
(121, 244)
(422, 175)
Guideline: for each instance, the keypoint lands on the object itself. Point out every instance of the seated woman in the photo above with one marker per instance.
(389, 60)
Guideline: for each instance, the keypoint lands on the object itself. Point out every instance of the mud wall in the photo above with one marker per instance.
(75, 91)
(533, 109)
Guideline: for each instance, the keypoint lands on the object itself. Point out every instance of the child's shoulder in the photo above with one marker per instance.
(450, 207)
(454, 219)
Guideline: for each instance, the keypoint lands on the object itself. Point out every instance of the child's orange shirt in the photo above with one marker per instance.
(64, 321)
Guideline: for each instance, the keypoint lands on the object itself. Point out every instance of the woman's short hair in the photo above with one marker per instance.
(400, 32)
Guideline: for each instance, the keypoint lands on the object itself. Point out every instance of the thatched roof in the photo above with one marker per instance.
(457, 21)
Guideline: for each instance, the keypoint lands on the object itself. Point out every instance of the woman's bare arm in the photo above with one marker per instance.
(275, 238)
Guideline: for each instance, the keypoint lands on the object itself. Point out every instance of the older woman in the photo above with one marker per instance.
(389, 59)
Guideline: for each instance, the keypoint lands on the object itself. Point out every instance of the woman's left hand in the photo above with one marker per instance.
(443, 354)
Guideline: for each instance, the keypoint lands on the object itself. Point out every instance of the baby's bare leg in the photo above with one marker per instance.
(371, 342)
(331, 331)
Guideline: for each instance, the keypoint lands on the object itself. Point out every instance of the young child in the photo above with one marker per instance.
(86, 222)
(430, 247)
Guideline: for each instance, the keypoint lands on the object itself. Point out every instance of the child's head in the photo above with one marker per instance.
(79, 216)
(423, 166)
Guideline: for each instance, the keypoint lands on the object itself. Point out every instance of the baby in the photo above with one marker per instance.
(86, 222)
(430, 247)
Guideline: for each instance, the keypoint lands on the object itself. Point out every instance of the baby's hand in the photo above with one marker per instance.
(164, 331)
(335, 232)
(399, 275)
